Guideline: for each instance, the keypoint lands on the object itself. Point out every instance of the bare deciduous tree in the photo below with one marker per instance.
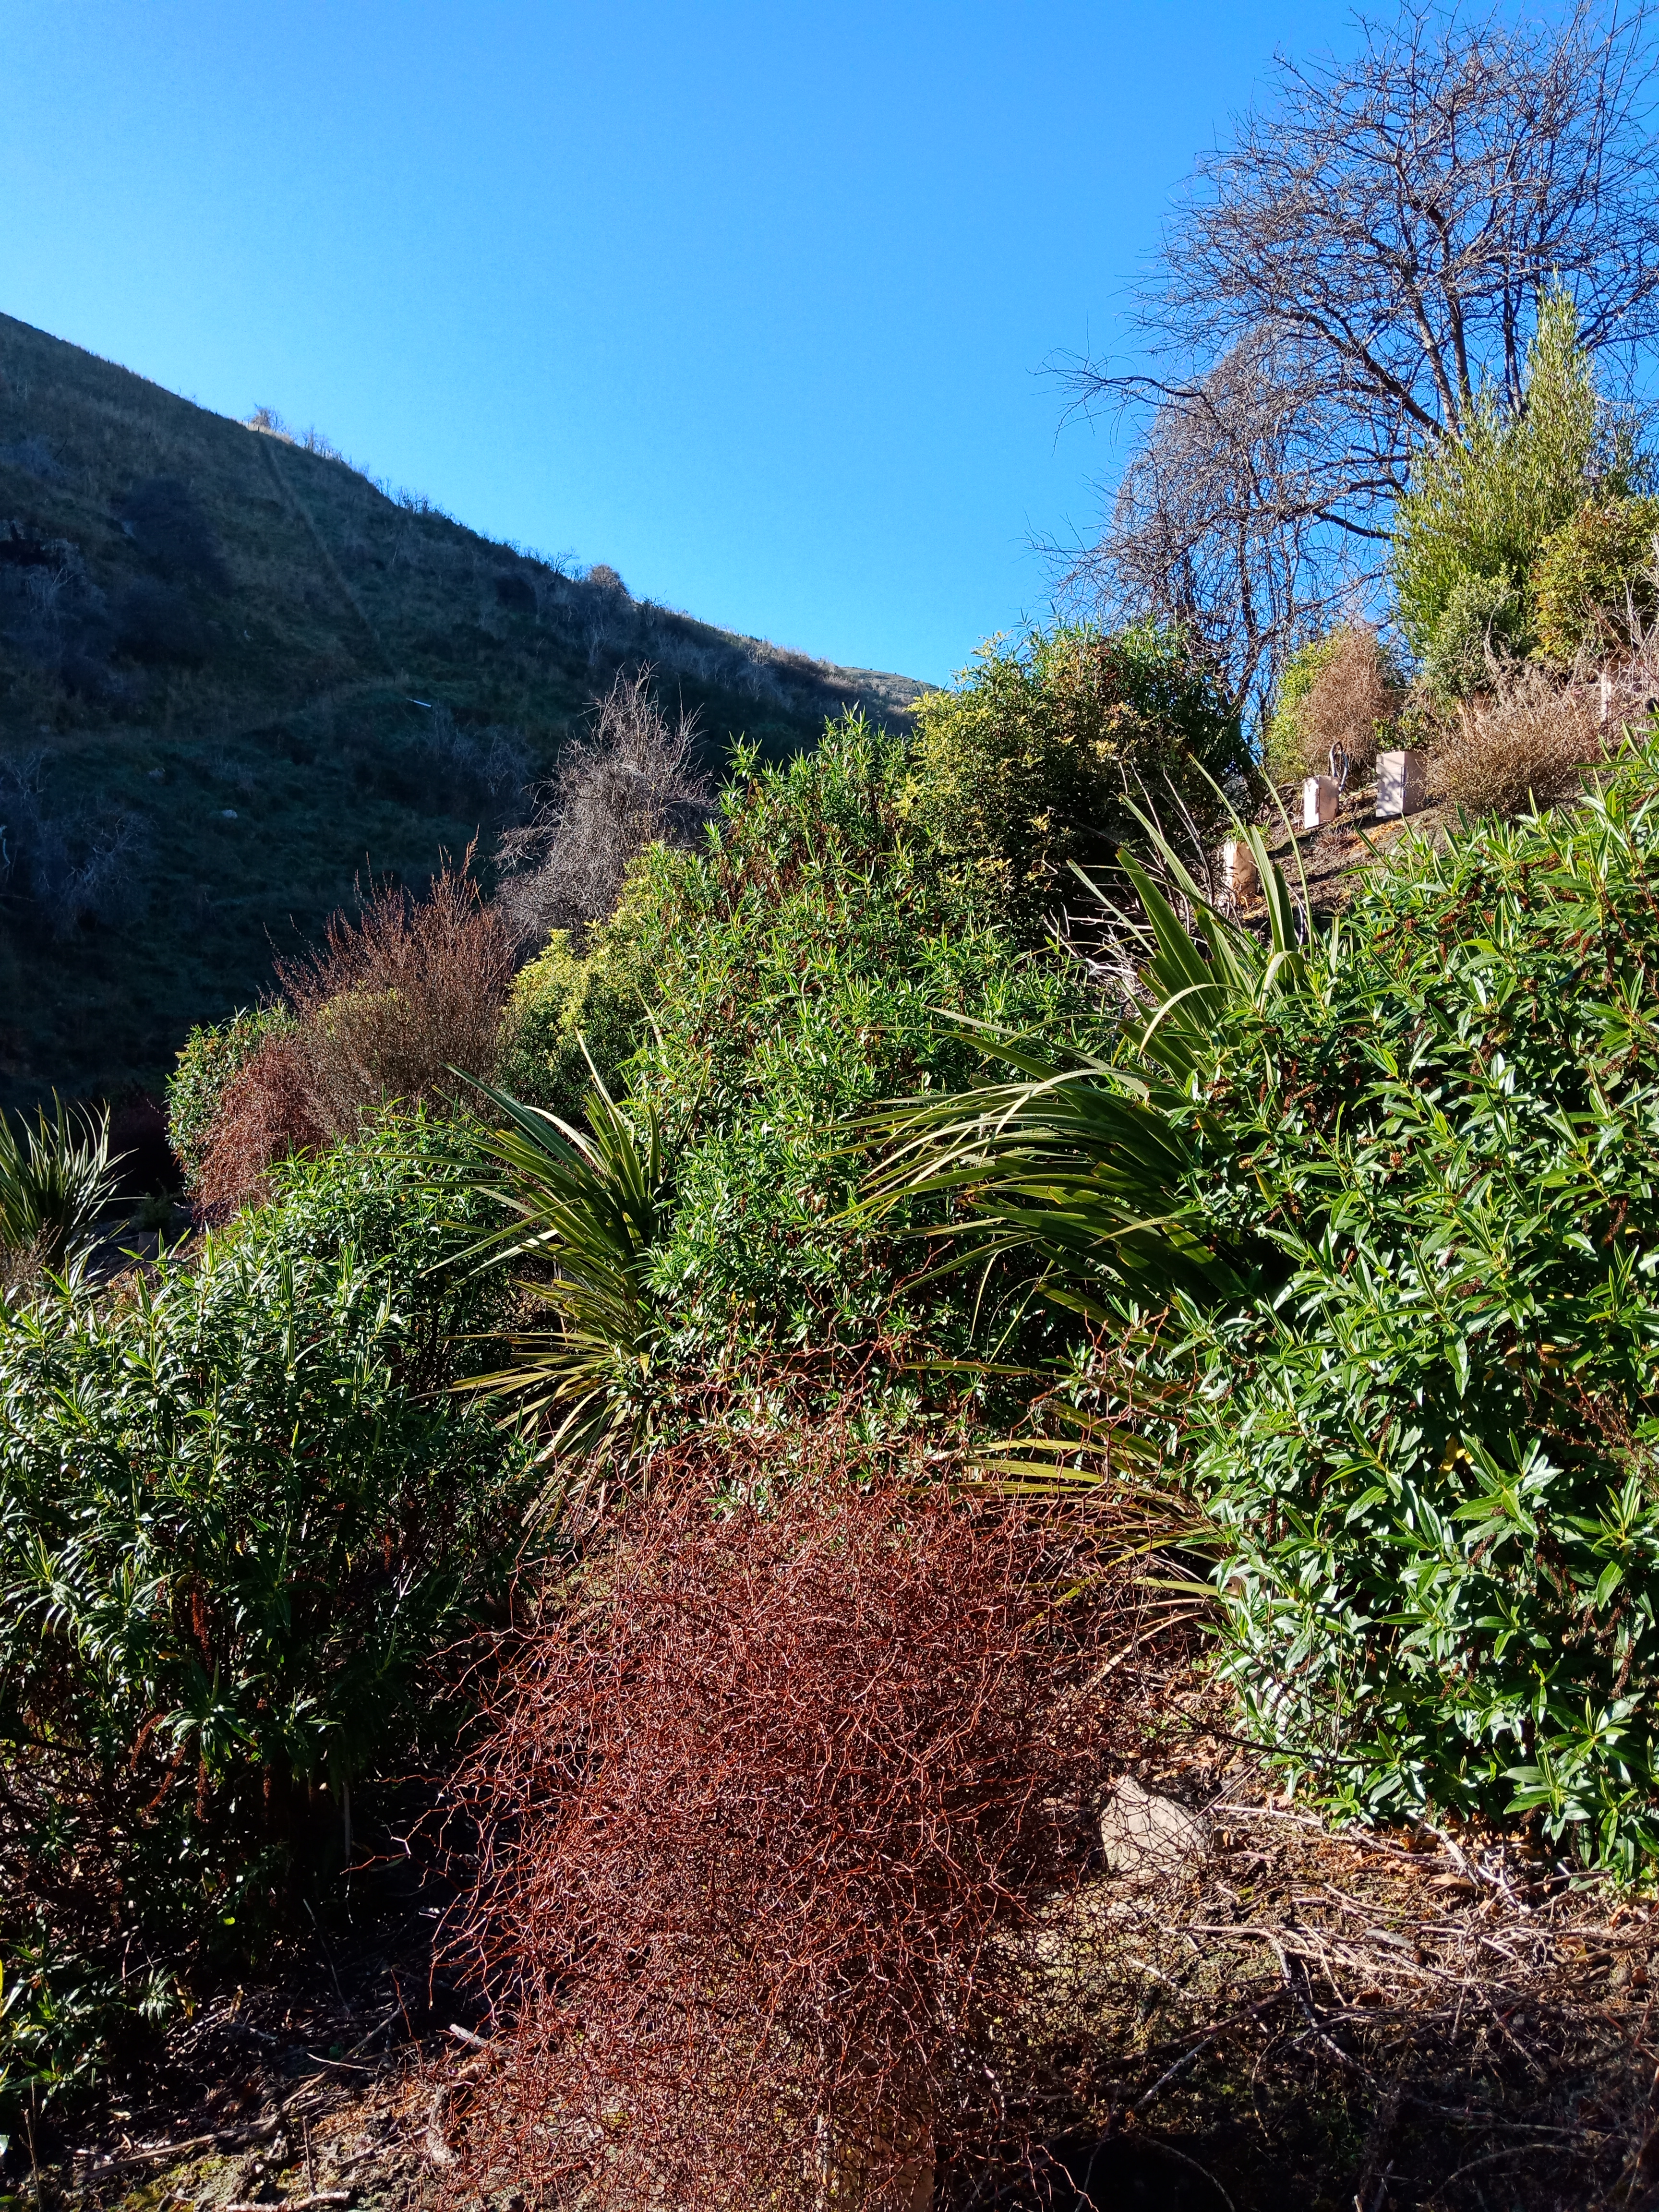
(1337, 283)
(631, 782)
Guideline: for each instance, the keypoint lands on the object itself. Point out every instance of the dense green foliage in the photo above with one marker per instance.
(1283, 749)
(1026, 766)
(1379, 1222)
(585, 1208)
(815, 959)
(1480, 506)
(1428, 1436)
(1595, 577)
(575, 1015)
(240, 1514)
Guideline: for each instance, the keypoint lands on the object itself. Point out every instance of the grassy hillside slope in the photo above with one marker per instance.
(235, 673)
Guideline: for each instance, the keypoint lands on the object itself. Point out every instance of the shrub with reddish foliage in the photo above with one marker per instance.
(394, 1002)
(761, 1815)
(383, 1013)
(267, 1113)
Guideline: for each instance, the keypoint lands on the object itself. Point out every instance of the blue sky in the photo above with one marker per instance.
(750, 302)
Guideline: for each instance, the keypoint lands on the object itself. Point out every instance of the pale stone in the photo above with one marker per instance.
(1319, 796)
(1399, 782)
(1142, 1834)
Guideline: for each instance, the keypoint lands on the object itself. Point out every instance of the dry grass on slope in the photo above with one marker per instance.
(1524, 742)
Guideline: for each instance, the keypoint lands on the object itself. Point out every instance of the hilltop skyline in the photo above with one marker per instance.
(751, 307)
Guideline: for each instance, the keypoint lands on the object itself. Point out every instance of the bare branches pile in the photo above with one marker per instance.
(631, 782)
(1412, 2014)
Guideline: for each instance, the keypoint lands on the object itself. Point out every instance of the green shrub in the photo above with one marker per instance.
(1284, 754)
(1480, 506)
(1593, 574)
(1428, 1437)
(816, 958)
(568, 1008)
(1024, 768)
(1372, 1230)
(1340, 699)
(1484, 621)
(239, 1517)
(210, 1057)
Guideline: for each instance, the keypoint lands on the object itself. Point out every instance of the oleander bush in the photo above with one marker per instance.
(242, 1517)
(1374, 1227)
(1427, 1438)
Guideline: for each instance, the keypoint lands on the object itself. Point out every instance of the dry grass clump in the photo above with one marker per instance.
(1353, 701)
(760, 1813)
(1523, 741)
(395, 1001)
(22, 1267)
(630, 783)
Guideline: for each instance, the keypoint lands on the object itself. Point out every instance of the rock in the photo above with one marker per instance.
(1144, 1834)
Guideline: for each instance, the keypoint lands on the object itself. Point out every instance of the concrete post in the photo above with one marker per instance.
(1399, 782)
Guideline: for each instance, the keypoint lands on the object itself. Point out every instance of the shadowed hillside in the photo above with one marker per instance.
(235, 673)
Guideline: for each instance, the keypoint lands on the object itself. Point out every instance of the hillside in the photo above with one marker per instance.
(235, 673)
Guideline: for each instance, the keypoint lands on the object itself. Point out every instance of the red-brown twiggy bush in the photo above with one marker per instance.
(760, 1818)
(268, 1111)
(392, 1001)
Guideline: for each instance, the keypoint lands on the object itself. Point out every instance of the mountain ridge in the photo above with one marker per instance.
(236, 672)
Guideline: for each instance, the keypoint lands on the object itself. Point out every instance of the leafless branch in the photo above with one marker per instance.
(630, 783)
(1337, 283)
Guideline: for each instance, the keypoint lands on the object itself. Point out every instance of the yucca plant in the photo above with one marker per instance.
(588, 1204)
(55, 1181)
(1092, 1164)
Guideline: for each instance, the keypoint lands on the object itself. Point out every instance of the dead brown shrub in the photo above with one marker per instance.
(630, 783)
(397, 998)
(1354, 700)
(1524, 741)
(762, 1814)
(268, 1113)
